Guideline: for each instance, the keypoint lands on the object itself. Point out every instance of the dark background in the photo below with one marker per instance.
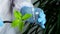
(52, 10)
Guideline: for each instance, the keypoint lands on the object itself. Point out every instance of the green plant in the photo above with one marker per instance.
(19, 19)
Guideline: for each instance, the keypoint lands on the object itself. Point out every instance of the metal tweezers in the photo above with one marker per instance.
(7, 21)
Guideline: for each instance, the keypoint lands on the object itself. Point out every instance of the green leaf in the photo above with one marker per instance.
(26, 16)
(18, 22)
(17, 14)
(15, 23)
(21, 25)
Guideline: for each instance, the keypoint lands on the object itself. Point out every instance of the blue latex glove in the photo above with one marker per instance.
(1, 23)
(41, 16)
(25, 10)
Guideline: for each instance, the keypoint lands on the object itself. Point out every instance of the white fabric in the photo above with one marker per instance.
(7, 29)
(5, 15)
(5, 10)
(21, 3)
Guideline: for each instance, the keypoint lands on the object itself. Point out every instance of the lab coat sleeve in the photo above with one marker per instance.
(21, 3)
(5, 15)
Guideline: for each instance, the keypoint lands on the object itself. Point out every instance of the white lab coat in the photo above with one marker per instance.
(5, 14)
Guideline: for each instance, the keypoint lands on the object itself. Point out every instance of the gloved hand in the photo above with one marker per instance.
(25, 10)
(1, 23)
(41, 20)
(41, 17)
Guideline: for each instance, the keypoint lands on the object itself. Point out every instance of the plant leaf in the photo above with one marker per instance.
(17, 14)
(21, 25)
(15, 23)
(26, 16)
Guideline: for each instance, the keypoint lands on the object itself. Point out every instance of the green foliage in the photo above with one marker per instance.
(26, 16)
(19, 19)
(15, 23)
(17, 14)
